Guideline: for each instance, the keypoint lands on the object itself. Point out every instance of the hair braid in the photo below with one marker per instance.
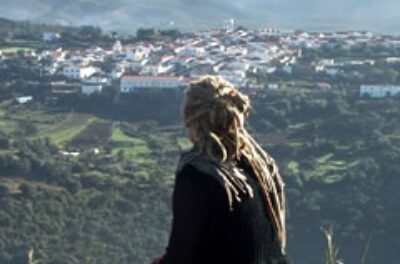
(216, 110)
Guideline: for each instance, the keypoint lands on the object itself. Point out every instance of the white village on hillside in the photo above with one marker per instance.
(232, 54)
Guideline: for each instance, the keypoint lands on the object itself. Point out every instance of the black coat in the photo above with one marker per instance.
(206, 231)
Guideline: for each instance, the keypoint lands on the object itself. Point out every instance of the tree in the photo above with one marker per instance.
(4, 190)
(73, 186)
(7, 161)
(25, 189)
(4, 142)
(27, 128)
(23, 165)
(90, 32)
(146, 33)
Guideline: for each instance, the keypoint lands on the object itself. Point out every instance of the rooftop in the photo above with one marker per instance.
(146, 78)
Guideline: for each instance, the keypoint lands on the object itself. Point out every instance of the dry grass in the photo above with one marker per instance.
(333, 251)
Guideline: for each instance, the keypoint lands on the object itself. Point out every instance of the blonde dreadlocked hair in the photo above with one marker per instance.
(215, 110)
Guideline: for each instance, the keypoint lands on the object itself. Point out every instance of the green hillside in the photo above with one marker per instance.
(111, 203)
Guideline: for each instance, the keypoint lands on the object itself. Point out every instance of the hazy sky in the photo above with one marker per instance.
(375, 15)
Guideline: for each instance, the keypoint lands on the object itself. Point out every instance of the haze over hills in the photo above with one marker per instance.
(127, 15)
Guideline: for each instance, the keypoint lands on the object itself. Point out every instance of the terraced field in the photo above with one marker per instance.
(135, 148)
(15, 49)
(65, 130)
(97, 133)
(74, 130)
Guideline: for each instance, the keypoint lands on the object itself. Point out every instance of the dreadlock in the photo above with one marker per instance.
(215, 110)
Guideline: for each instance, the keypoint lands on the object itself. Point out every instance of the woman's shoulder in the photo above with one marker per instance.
(192, 174)
(186, 158)
(198, 161)
(198, 166)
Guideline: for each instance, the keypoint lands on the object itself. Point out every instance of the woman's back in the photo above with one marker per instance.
(222, 214)
(206, 231)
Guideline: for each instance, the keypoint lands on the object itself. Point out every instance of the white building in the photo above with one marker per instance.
(266, 68)
(138, 53)
(117, 73)
(150, 70)
(393, 60)
(273, 86)
(91, 88)
(190, 51)
(379, 91)
(320, 65)
(93, 85)
(78, 72)
(287, 69)
(50, 36)
(69, 154)
(24, 99)
(236, 51)
(50, 69)
(117, 47)
(131, 83)
(332, 71)
(229, 24)
(271, 32)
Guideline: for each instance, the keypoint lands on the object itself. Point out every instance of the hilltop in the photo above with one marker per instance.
(127, 15)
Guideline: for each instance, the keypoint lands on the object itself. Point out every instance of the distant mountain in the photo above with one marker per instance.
(127, 15)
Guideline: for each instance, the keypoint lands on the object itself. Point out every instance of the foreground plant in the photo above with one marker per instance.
(333, 251)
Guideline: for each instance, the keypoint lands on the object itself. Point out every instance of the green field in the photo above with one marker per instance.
(96, 134)
(85, 131)
(15, 49)
(329, 170)
(134, 147)
(7, 126)
(184, 143)
(68, 128)
(297, 126)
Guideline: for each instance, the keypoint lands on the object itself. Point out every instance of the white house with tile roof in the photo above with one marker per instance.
(132, 83)
(78, 72)
(379, 91)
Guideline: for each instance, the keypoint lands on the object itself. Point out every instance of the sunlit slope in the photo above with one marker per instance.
(111, 204)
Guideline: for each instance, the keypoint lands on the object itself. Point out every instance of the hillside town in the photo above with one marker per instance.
(240, 56)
